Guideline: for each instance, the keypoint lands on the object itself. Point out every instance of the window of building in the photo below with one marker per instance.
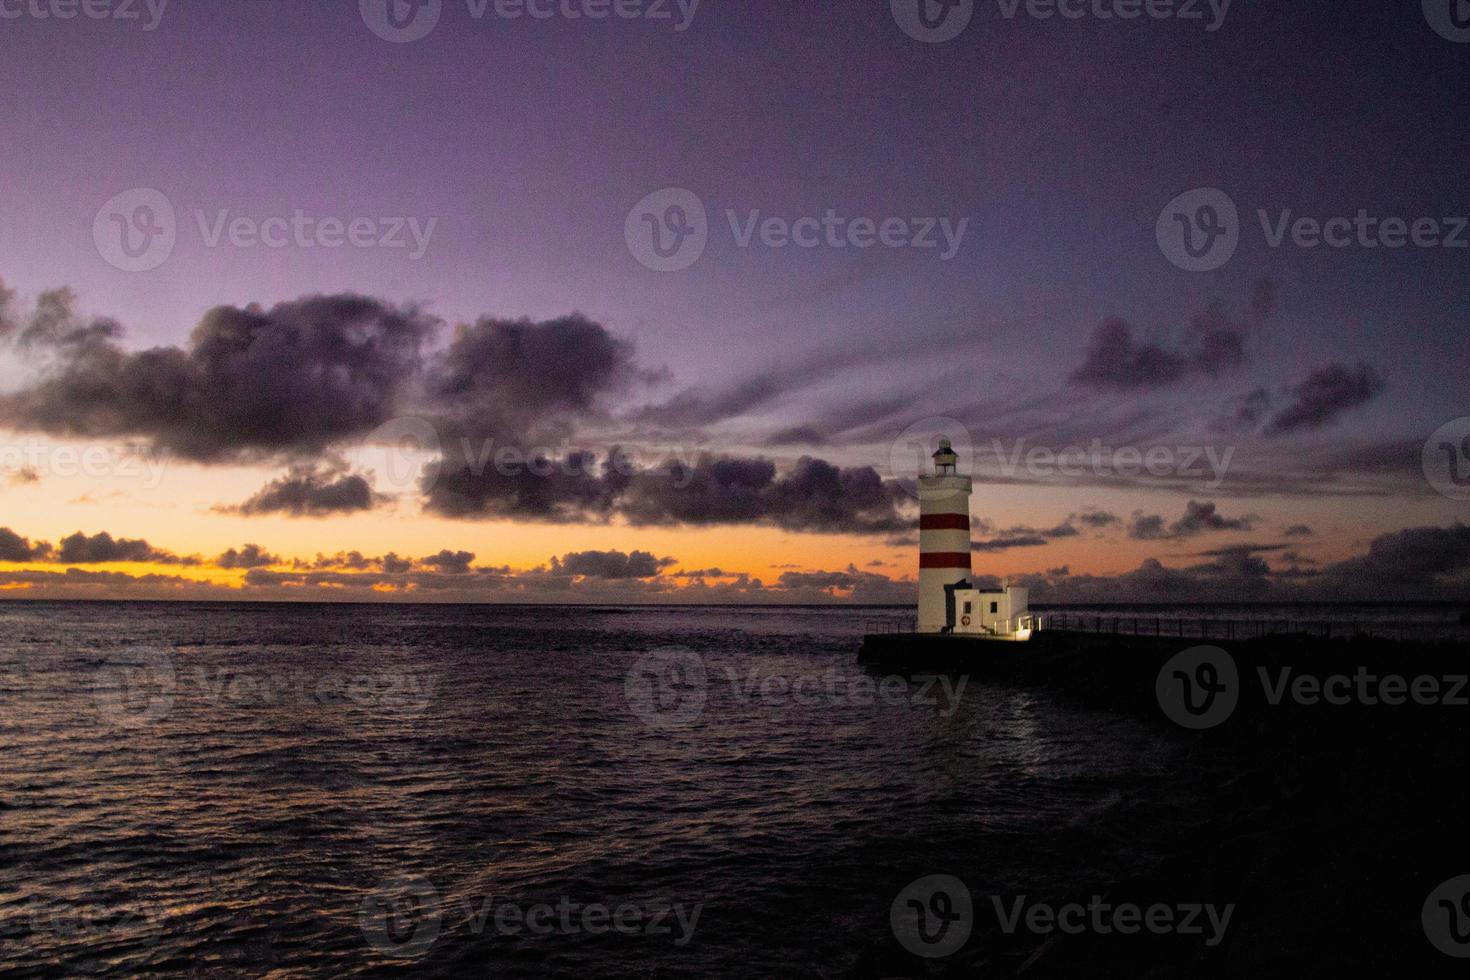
(994, 608)
(967, 609)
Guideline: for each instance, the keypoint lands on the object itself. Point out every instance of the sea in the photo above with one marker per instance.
(441, 790)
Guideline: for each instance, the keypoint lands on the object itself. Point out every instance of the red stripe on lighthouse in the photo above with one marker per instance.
(945, 559)
(944, 522)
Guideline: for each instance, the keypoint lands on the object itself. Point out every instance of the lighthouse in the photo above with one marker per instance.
(944, 537)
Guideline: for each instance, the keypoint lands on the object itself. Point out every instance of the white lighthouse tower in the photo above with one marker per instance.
(944, 537)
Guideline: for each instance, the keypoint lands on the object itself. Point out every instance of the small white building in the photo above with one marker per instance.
(988, 612)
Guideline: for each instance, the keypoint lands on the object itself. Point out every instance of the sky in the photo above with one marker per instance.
(294, 290)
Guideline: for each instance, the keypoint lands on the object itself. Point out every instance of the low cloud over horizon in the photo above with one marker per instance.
(1414, 563)
(302, 387)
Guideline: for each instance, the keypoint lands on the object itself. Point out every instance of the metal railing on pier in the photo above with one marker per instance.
(900, 625)
(1191, 628)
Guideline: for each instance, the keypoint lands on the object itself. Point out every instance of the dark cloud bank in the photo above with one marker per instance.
(297, 382)
(1413, 564)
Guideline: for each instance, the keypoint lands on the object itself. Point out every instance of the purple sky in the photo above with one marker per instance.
(528, 141)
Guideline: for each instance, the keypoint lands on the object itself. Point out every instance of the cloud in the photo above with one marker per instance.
(1023, 536)
(355, 561)
(291, 379)
(1007, 543)
(1416, 560)
(449, 562)
(23, 476)
(81, 549)
(836, 422)
(13, 547)
(1199, 517)
(1213, 345)
(1299, 531)
(811, 496)
(1233, 550)
(798, 435)
(1412, 564)
(8, 323)
(514, 377)
(307, 491)
(249, 556)
(702, 406)
(1326, 393)
(572, 489)
(610, 564)
(859, 585)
